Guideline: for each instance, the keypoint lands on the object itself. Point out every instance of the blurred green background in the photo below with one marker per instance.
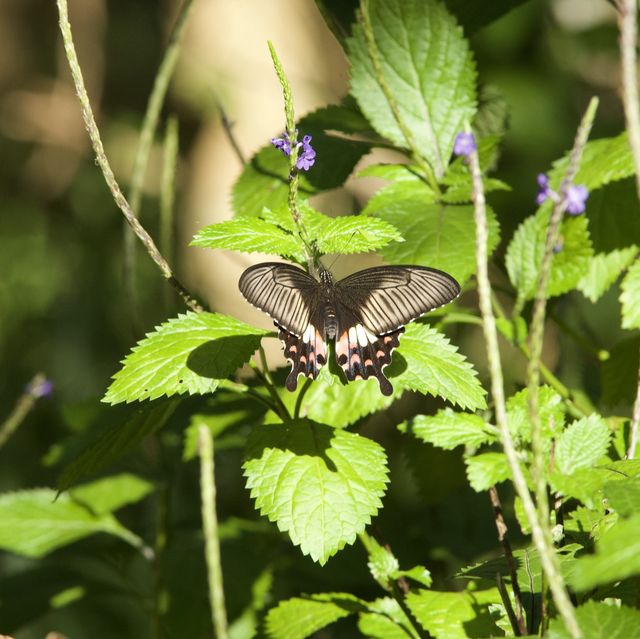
(64, 309)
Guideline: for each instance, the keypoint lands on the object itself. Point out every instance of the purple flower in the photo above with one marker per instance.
(283, 144)
(464, 144)
(41, 388)
(307, 156)
(545, 191)
(575, 198)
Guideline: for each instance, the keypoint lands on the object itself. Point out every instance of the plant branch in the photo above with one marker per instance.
(520, 627)
(301, 394)
(627, 20)
(38, 387)
(103, 162)
(211, 538)
(227, 125)
(548, 558)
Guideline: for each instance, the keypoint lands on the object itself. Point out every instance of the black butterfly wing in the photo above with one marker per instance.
(373, 306)
(385, 298)
(291, 297)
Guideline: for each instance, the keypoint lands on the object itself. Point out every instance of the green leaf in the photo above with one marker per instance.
(619, 373)
(406, 184)
(320, 485)
(624, 495)
(600, 620)
(428, 363)
(250, 235)
(117, 441)
(486, 470)
(448, 429)
(339, 404)
(386, 620)
(428, 67)
(550, 408)
(474, 16)
(582, 444)
(452, 614)
(438, 235)
(524, 255)
(110, 493)
(33, 523)
(630, 297)
(300, 617)
(188, 354)
(604, 270)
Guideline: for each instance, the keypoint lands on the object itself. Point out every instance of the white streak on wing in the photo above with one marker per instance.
(362, 335)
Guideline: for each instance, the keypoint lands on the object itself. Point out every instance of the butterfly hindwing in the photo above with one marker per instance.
(362, 354)
(307, 353)
(388, 297)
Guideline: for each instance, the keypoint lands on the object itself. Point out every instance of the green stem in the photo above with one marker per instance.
(265, 377)
(211, 538)
(168, 193)
(548, 557)
(292, 135)
(536, 334)
(243, 389)
(22, 408)
(105, 167)
(147, 134)
(372, 50)
(301, 394)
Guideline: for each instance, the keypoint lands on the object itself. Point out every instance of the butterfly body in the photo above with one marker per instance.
(364, 313)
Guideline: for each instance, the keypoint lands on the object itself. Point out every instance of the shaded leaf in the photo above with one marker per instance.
(550, 409)
(599, 620)
(619, 372)
(624, 495)
(320, 485)
(110, 493)
(34, 523)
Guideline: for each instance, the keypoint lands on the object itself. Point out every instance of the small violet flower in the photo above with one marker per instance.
(306, 153)
(574, 198)
(464, 144)
(41, 388)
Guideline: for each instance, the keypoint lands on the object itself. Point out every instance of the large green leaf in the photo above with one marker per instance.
(34, 523)
(250, 235)
(117, 441)
(619, 373)
(603, 271)
(320, 485)
(300, 617)
(624, 495)
(442, 236)
(448, 429)
(600, 620)
(386, 620)
(525, 251)
(630, 297)
(428, 363)
(455, 615)
(110, 493)
(428, 67)
(188, 354)
(582, 444)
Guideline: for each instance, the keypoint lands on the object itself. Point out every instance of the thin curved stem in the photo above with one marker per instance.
(105, 167)
(301, 394)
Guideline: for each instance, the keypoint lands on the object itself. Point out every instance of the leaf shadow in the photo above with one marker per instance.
(219, 358)
(302, 437)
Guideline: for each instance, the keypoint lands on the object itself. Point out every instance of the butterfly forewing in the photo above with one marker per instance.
(388, 297)
(286, 293)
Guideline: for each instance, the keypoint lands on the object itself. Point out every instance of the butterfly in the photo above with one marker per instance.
(365, 313)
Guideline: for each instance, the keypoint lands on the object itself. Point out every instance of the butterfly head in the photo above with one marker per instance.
(326, 278)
